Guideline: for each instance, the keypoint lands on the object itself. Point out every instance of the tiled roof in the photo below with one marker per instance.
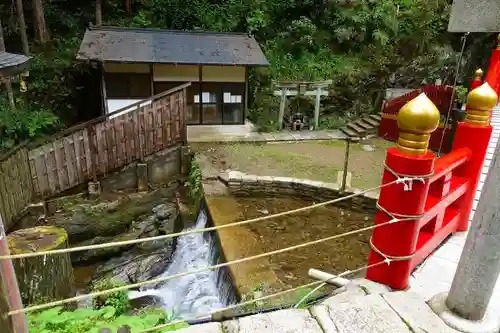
(133, 45)
(8, 60)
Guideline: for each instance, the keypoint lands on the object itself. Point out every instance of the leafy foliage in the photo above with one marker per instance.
(117, 300)
(23, 123)
(85, 320)
(194, 181)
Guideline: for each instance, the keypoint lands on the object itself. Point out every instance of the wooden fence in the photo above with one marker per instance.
(15, 184)
(92, 149)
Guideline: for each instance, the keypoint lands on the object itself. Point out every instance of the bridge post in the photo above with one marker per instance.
(493, 73)
(478, 79)
(417, 119)
(474, 133)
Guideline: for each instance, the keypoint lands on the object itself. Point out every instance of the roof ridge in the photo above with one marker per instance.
(135, 29)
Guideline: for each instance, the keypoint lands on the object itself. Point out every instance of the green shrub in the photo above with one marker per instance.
(117, 300)
(87, 320)
(194, 181)
(23, 123)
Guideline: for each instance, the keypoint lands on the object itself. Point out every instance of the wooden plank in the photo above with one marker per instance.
(69, 153)
(153, 116)
(178, 128)
(165, 123)
(61, 181)
(64, 165)
(137, 134)
(108, 136)
(89, 147)
(7, 200)
(294, 92)
(79, 171)
(44, 170)
(141, 134)
(114, 143)
(129, 138)
(151, 131)
(52, 167)
(100, 154)
(168, 125)
(28, 184)
(34, 176)
(173, 117)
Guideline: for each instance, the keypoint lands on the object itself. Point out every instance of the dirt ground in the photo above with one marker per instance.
(320, 160)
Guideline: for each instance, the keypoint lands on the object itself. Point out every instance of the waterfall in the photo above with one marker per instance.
(198, 294)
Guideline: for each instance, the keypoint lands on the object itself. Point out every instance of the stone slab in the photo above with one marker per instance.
(204, 328)
(416, 313)
(284, 321)
(364, 314)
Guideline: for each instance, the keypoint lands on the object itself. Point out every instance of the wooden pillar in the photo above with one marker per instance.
(316, 108)
(281, 113)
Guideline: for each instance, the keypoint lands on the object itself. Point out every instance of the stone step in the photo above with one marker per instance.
(349, 132)
(358, 129)
(376, 117)
(363, 124)
(371, 121)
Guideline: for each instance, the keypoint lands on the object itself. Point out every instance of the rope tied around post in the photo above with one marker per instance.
(407, 182)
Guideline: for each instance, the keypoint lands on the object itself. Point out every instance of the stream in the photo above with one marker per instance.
(198, 294)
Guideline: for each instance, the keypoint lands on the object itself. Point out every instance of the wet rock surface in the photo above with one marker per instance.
(131, 217)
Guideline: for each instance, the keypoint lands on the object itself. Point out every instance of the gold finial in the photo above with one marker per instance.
(417, 119)
(478, 74)
(480, 103)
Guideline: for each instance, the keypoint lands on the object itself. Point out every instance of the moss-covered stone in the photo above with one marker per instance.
(37, 239)
(43, 278)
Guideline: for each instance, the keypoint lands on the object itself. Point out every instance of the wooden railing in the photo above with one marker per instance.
(90, 150)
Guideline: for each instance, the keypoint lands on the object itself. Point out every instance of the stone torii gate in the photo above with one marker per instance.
(304, 88)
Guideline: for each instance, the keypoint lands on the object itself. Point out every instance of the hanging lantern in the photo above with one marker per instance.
(22, 82)
(23, 85)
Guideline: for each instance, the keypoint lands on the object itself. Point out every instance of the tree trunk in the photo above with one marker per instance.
(98, 12)
(41, 30)
(128, 5)
(22, 26)
(8, 84)
(45, 278)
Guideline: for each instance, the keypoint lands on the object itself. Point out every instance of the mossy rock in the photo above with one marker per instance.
(42, 278)
(38, 239)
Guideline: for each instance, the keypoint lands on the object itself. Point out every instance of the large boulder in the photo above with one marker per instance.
(161, 222)
(142, 261)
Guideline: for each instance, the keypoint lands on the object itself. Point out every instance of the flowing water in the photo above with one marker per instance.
(198, 294)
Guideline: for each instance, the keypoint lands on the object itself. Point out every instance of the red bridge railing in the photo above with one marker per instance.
(438, 200)
(439, 95)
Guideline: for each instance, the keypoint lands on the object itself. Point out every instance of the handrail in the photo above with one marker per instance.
(449, 162)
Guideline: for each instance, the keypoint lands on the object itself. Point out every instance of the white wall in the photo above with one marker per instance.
(116, 104)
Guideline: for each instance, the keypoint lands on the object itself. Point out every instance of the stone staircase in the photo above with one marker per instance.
(362, 127)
